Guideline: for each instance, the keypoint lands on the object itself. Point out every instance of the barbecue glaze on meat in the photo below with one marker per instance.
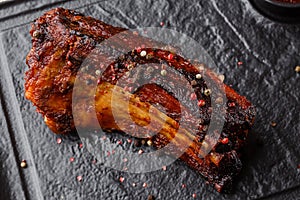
(62, 39)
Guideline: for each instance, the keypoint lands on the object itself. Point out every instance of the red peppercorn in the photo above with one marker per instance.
(240, 63)
(58, 140)
(72, 159)
(201, 103)
(225, 141)
(139, 49)
(232, 104)
(162, 23)
(194, 195)
(183, 186)
(120, 142)
(170, 56)
(121, 179)
(79, 178)
(69, 63)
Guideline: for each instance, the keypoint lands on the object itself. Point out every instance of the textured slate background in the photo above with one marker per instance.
(231, 31)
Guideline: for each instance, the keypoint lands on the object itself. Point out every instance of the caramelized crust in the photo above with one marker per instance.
(62, 39)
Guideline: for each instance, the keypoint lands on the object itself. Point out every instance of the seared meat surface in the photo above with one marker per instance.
(62, 39)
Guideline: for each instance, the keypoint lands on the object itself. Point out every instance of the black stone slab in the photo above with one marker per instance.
(231, 32)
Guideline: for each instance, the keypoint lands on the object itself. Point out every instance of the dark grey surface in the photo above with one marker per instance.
(231, 31)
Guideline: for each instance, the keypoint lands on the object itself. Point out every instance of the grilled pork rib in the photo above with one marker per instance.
(62, 39)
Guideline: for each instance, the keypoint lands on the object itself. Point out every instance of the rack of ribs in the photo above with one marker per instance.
(62, 39)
